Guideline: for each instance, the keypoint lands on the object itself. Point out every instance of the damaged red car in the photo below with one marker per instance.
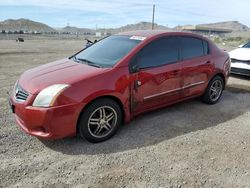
(117, 78)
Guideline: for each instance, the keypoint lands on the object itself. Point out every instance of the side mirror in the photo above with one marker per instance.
(135, 68)
(240, 46)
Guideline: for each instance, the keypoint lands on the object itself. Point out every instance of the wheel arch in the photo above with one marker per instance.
(114, 98)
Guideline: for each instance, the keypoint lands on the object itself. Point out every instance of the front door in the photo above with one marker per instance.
(158, 79)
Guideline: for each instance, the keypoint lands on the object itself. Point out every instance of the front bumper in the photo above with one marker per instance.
(50, 123)
(240, 68)
(240, 71)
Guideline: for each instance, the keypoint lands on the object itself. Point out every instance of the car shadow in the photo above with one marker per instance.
(160, 125)
(242, 77)
(237, 87)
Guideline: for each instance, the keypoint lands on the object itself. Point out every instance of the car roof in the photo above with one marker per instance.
(153, 33)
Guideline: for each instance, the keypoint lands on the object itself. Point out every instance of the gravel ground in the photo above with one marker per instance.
(189, 144)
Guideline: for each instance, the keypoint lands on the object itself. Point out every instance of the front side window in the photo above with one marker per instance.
(160, 52)
(192, 47)
(108, 51)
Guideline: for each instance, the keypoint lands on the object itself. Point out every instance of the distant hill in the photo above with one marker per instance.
(25, 25)
(30, 26)
(235, 26)
(129, 27)
(75, 30)
(134, 27)
(142, 26)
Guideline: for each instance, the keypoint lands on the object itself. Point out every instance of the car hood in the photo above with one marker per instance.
(64, 71)
(240, 54)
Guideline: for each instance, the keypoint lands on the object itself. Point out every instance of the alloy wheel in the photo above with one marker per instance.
(102, 121)
(215, 90)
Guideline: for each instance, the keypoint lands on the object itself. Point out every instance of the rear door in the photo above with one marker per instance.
(158, 78)
(197, 65)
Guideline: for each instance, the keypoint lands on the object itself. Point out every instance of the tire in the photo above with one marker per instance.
(100, 120)
(214, 90)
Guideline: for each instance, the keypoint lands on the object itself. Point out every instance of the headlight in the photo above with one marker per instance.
(47, 96)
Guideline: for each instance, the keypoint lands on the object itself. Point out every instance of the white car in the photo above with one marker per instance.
(240, 59)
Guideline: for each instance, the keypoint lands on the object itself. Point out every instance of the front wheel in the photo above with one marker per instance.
(100, 120)
(214, 90)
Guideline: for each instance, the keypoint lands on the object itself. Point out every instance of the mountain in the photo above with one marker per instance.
(134, 27)
(30, 26)
(129, 27)
(235, 26)
(142, 26)
(75, 30)
(25, 25)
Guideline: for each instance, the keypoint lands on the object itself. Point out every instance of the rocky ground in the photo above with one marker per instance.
(190, 144)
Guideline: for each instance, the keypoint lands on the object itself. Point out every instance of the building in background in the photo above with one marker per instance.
(204, 30)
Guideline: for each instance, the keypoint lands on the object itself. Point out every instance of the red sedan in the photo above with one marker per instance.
(93, 92)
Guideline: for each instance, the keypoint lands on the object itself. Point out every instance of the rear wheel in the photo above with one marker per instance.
(214, 90)
(100, 120)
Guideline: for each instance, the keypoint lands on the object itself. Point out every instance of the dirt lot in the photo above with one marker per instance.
(190, 144)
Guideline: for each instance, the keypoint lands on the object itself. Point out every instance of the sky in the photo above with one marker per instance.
(116, 13)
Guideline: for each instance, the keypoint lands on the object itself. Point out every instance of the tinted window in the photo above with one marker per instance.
(191, 47)
(247, 45)
(108, 51)
(206, 47)
(159, 52)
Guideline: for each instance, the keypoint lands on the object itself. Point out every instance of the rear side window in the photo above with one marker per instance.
(160, 52)
(193, 47)
(206, 47)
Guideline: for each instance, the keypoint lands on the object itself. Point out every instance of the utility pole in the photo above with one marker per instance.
(153, 18)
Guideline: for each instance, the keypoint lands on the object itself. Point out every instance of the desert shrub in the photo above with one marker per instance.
(217, 40)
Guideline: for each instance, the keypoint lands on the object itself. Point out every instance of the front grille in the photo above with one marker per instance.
(240, 71)
(20, 94)
(240, 61)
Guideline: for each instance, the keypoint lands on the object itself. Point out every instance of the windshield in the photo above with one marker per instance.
(107, 52)
(247, 45)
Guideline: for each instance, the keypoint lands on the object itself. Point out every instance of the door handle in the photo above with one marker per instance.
(208, 62)
(137, 84)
